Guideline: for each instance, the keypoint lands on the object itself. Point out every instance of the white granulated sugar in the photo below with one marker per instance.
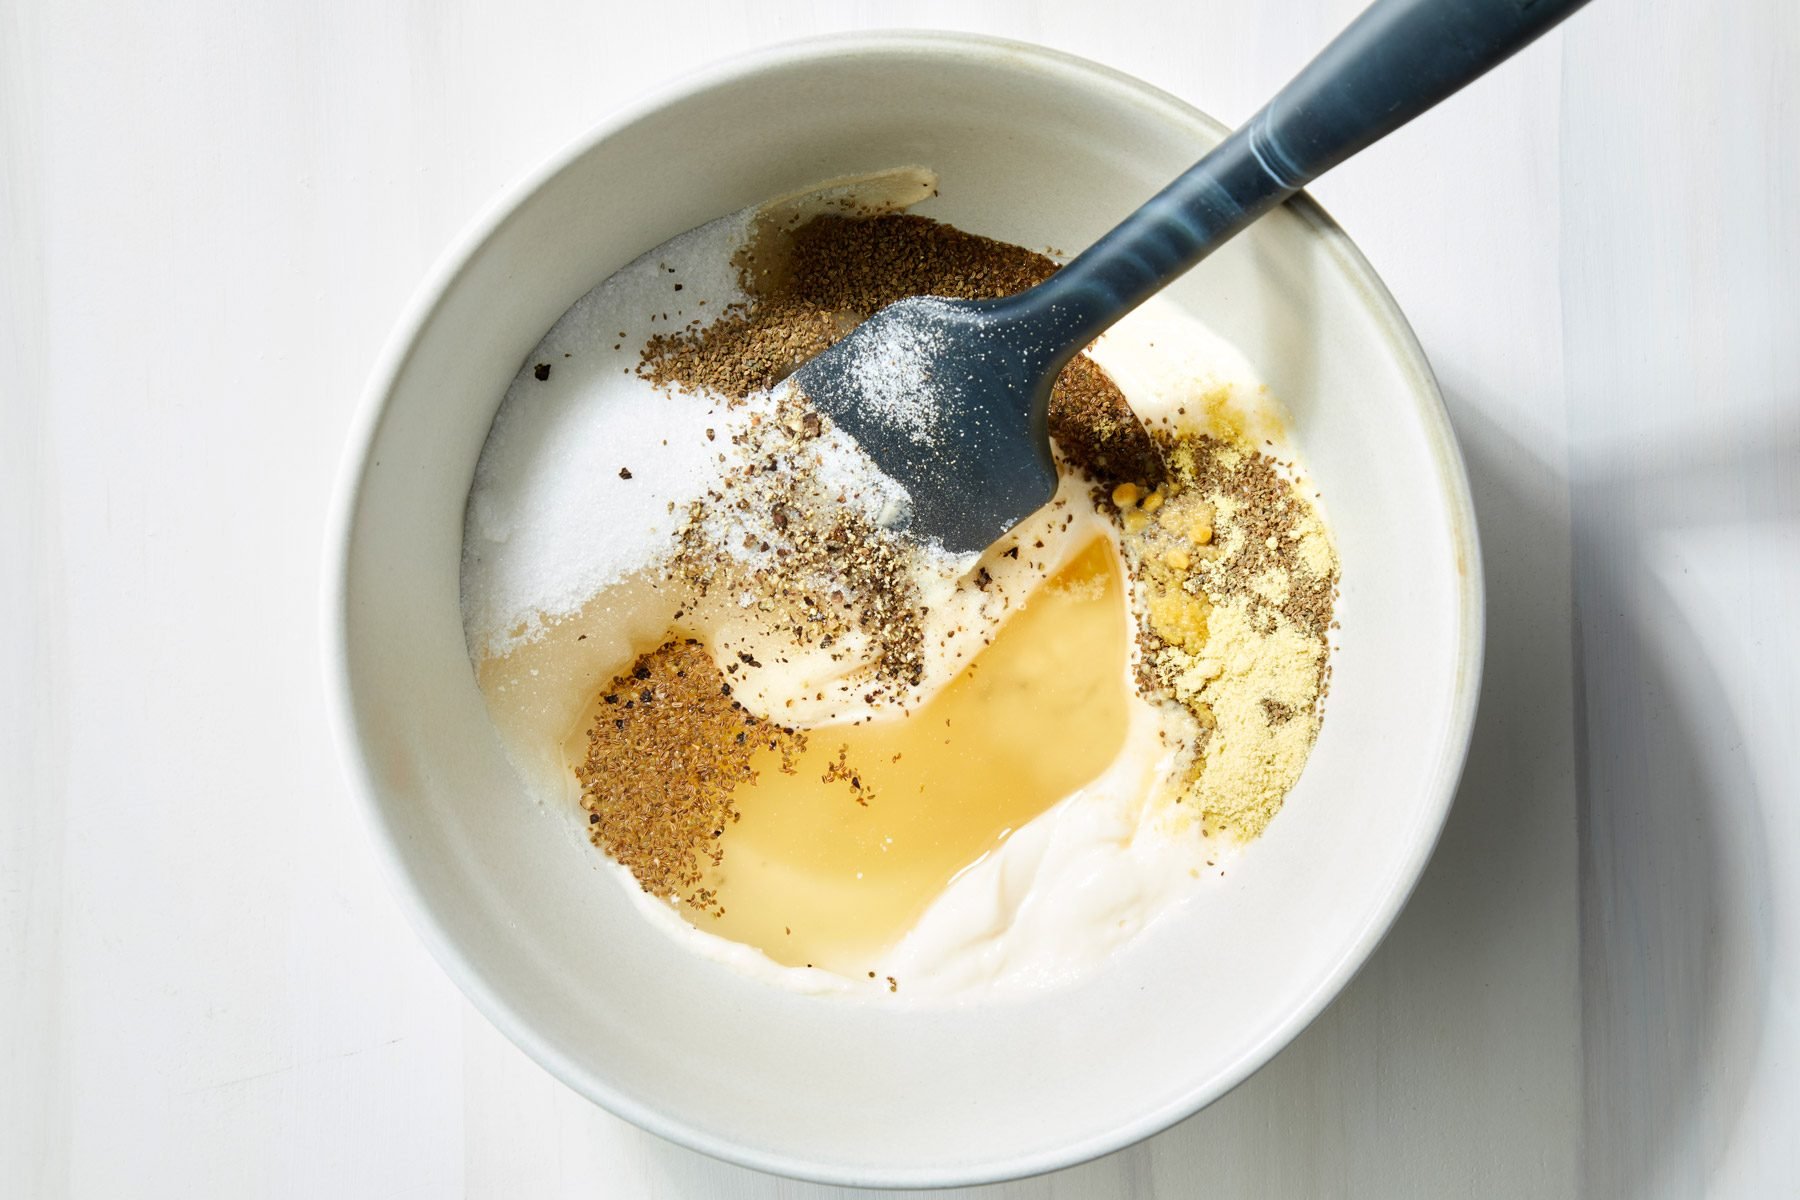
(551, 521)
(890, 363)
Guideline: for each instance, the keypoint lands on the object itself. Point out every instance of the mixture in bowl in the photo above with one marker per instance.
(823, 751)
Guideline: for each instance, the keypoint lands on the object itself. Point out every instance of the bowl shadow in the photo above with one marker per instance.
(1675, 872)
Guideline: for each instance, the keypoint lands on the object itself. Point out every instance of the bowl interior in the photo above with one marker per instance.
(1036, 149)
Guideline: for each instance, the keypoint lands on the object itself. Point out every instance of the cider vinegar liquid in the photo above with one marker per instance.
(811, 876)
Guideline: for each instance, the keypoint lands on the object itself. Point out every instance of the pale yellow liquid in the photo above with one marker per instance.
(812, 877)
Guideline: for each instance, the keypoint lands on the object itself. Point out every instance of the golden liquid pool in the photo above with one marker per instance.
(810, 876)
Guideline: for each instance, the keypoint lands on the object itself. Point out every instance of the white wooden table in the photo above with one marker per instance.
(210, 213)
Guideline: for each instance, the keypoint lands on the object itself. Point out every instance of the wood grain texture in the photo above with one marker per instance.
(210, 214)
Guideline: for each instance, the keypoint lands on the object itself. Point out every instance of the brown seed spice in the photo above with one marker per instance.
(812, 285)
(667, 748)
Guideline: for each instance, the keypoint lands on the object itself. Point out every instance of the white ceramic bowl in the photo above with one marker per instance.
(1037, 148)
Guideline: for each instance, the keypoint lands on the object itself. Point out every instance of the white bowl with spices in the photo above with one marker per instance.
(1035, 148)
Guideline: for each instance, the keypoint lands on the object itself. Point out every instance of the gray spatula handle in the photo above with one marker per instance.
(1399, 58)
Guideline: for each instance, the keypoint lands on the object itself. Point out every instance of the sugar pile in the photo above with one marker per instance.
(574, 488)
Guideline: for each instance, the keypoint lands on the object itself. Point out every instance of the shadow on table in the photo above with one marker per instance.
(1676, 892)
(1454, 1063)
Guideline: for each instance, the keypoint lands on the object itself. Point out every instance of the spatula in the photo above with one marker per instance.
(951, 397)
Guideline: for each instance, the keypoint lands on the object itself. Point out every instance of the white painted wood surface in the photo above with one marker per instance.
(211, 212)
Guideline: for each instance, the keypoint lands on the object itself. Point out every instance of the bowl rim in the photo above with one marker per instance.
(370, 411)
